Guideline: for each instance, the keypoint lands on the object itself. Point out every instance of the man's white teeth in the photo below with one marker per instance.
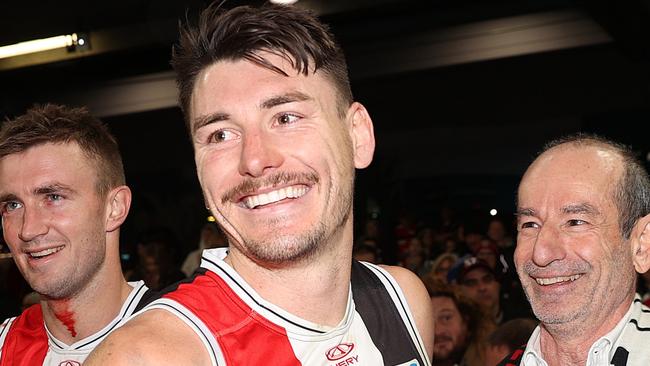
(275, 196)
(553, 280)
(45, 252)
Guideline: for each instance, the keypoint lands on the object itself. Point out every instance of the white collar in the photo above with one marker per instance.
(603, 346)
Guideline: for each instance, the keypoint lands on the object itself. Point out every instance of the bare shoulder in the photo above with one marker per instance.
(418, 300)
(155, 337)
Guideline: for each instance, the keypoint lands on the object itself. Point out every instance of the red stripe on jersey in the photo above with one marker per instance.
(244, 336)
(26, 341)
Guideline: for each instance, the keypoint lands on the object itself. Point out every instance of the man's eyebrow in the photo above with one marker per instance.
(289, 97)
(6, 197)
(525, 211)
(268, 103)
(52, 188)
(207, 119)
(580, 208)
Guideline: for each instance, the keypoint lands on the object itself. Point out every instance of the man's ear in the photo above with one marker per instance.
(363, 135)
(118, 203)
(640, 242)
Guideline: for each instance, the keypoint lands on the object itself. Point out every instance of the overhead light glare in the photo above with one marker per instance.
(284, 2)
(38, 45)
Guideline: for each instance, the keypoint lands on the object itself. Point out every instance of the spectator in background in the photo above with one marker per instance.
(451, 246)
(441, 266)
(364, 252)
(156, 264)
(487, 251)
(372, 237)
(460, 329)
(508, 337)
(413, 259)
(499, 233)
(479, 282)
(471, 235)
(211, 237)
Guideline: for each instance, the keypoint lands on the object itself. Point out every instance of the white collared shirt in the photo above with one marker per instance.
(600, 352)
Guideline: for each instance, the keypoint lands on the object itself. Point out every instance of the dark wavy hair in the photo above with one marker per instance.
(242, 32)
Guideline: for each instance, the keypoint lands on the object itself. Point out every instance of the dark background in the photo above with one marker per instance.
(462, 93)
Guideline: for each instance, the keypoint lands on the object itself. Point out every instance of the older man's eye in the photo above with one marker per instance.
(529, 225)
(576, 222)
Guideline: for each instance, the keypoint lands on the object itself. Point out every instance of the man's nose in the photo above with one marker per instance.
(33, 224)
(259, 153)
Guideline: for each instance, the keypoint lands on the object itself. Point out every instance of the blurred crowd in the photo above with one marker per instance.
(481, 313)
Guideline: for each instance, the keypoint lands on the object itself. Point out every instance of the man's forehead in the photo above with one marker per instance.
(568, 159)
(218, 79)
(477, 272)
(446, 303)
(565, 173)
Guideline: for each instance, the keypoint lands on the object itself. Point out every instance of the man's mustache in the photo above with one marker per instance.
(250, 185)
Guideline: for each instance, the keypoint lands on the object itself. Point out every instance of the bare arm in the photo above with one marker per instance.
(419, 301)
(156, 337)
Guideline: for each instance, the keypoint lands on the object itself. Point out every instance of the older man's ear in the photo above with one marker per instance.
(640, 241)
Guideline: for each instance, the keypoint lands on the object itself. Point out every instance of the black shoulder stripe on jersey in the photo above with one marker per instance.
(381, 317)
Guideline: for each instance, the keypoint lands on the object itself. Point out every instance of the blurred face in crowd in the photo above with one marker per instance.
(487, 254)
(480, 285)
(572, 260)
(274, 156)
(450, 327)
(53, 218)
(496, 231)
(440, 272)
(473, 240)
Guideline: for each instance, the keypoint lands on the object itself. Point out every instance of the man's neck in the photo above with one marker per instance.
(75, 318)
(315, 289)
(569, 344)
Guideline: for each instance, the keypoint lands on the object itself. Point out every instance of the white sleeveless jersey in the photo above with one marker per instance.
(59, 353)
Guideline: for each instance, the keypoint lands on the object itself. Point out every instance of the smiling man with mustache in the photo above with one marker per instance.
(277, 138)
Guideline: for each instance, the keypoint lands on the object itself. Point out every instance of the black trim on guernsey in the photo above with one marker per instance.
(147, 297)
(258, 304)
(196, 326)
(381, 317)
